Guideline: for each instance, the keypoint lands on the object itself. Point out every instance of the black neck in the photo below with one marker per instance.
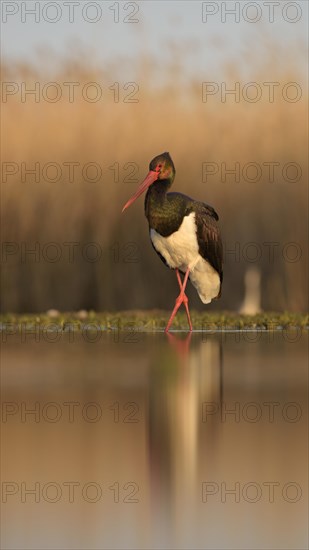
(164, 213)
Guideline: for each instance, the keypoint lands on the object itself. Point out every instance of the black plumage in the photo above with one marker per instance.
(184, 233)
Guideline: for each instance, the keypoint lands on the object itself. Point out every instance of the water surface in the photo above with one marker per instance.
(148, 441)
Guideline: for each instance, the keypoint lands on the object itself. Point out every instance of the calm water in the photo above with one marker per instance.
(145, 441)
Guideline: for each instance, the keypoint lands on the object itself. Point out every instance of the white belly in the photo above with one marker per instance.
(180, 250)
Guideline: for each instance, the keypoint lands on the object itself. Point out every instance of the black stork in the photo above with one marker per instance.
(184, 233)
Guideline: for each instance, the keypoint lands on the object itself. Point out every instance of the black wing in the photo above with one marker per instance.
(208, 235)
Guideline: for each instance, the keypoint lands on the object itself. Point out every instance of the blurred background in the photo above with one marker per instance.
(74, 152)
(91, 92)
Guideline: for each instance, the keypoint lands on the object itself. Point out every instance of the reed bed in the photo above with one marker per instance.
(121, 270)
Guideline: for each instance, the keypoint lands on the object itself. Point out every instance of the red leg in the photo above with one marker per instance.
(182, 298)
(185, 300)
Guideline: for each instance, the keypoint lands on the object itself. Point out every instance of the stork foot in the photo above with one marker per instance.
(182, 299)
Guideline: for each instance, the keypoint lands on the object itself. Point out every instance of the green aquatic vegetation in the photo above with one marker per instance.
(153, 320)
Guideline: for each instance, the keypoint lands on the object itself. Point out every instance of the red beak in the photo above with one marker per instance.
(151, 177)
